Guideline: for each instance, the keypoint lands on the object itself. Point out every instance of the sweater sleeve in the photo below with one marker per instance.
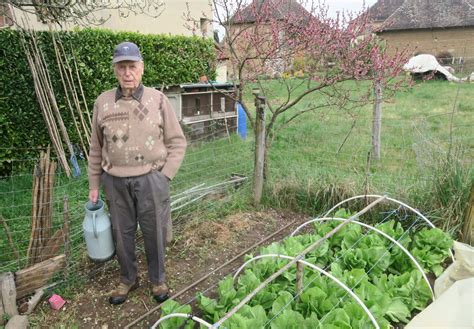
(174, 140)
(95, 153)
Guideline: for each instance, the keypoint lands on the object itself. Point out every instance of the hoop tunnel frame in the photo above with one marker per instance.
(320, 270)
(378, 231)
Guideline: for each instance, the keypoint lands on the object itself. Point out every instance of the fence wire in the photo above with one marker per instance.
(213, 166)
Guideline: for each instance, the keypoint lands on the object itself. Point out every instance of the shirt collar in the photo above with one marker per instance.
(137, 94)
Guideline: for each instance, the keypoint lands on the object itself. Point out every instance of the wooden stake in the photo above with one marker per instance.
(66, 235)
(50, 199)
(49, 91)
(44, 206)
(51, 249)
(299, 278)
(259, 149)
(42, 209)
(36, 213)
(37, 276)
(70, 78)
(67, 86)
(89, 119)
(45, 96)
(377, 120)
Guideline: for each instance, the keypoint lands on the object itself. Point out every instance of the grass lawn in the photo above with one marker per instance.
(420, 127)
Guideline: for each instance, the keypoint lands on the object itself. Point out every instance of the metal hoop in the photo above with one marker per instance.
(181, 315)
(379, 232)
(320, 270)
(390, 199)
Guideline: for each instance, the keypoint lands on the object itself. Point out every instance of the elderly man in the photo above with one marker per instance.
(137, 146)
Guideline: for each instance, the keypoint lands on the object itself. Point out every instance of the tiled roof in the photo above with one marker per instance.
(426, 14)
(277, 9)
(382, 9)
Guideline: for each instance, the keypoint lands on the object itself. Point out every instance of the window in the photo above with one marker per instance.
(5, 16)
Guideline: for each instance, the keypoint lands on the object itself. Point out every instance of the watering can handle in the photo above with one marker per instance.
(94, 225)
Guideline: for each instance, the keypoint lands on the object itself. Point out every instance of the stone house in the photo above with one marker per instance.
(258, 18)
(444, 28)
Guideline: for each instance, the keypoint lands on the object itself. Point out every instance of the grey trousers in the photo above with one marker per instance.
(144, 199)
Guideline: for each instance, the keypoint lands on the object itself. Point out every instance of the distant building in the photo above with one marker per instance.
(245, 20)
(171, 21)
(444, 28)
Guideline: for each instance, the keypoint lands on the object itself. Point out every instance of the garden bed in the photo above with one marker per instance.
(346, 276)
(199, 248)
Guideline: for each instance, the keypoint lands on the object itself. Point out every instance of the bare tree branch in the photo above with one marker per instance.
(84, 12)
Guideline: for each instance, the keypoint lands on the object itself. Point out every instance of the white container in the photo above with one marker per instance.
(98, 232)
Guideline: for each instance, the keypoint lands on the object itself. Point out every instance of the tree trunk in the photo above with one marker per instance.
(266, 169)
(377, 121)
(259, 149)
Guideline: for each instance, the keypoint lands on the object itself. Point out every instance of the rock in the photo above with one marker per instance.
(17, 322)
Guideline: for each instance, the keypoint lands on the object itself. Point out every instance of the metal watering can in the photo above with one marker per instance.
(98, 232)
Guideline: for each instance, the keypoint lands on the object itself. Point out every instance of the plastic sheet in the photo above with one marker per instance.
(462, 268)
(454, 291)
(454, 309)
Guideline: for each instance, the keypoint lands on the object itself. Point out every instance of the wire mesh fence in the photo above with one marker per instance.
(213, 169)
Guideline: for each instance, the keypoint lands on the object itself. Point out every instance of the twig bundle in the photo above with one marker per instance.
(42, 210)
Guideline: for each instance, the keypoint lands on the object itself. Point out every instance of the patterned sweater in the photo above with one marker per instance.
(132, 136)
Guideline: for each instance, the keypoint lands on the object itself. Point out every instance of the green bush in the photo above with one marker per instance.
(168, 60)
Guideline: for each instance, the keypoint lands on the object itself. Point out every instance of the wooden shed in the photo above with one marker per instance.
(204, 107)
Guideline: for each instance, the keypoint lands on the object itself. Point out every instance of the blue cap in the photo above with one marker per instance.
(127, 51)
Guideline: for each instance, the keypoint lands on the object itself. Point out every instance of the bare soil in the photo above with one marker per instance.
(198, 249)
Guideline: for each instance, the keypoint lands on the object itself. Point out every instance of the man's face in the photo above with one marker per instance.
(129, 74)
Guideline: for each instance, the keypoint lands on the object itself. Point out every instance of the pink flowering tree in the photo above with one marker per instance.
(305, 53)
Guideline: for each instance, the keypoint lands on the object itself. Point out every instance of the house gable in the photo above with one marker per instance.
(269, 10)
(383, 9)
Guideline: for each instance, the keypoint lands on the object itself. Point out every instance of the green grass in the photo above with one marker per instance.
(418, 130)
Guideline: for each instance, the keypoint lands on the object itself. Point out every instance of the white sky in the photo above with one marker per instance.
(347, 5)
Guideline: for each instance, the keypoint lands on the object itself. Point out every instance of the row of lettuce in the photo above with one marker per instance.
(375, 269)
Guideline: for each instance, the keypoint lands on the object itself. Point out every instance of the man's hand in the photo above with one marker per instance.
(94, 196)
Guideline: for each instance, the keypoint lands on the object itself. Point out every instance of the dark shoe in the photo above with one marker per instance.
(160, 292)
(119, 295)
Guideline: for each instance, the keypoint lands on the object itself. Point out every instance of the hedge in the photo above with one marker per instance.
(168, 60)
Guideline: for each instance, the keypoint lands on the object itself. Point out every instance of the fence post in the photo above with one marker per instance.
(299, 278)
(377, 120)
(67, 236)
(259, 148)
